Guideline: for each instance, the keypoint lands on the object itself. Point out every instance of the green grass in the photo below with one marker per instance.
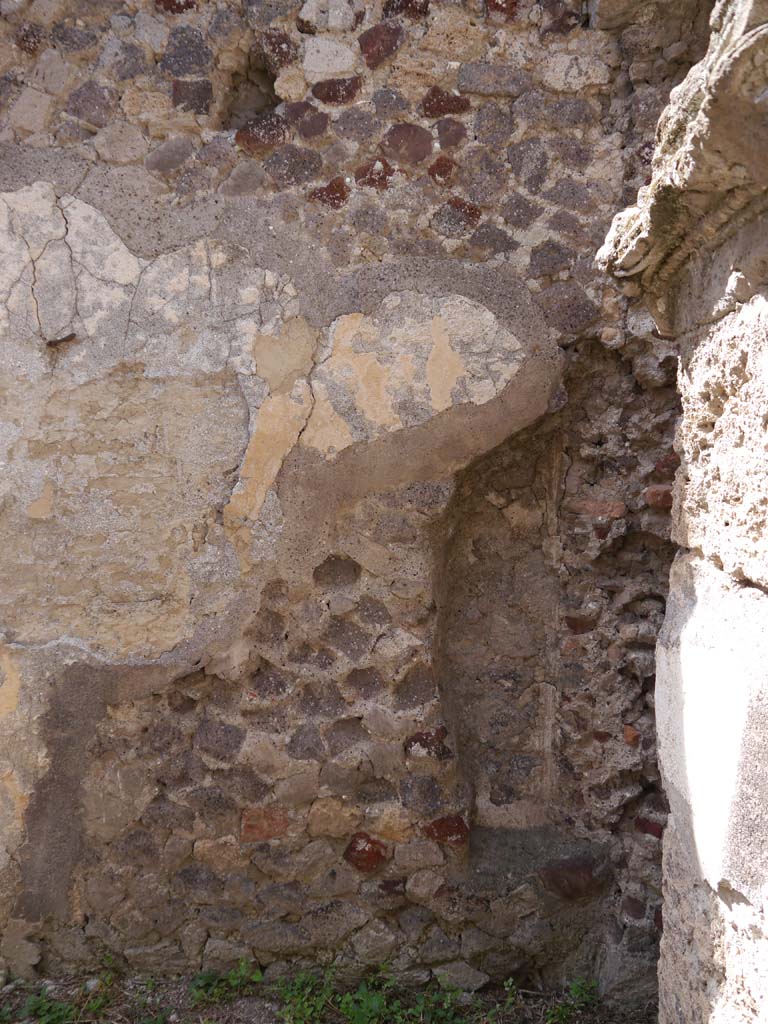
(303, 998)
(211, 987)
(582, 995)
(309, 999)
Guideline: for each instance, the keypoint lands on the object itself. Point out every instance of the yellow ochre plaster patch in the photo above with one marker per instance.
(444, 366)
(10, 686)
(42, 507)
(278, 425)
(282, 360)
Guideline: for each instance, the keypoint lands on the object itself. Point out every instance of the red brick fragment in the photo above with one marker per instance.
(505, 8)
(175, 6)
(438, 102)
(407, 143)
(337, 91)
(574, 878)
(667, 465)
(261, 823)
(306, 118)
(452, 830)
(380, 42)
(581, 623)
(392, 887)
(410, 8)
(334, 194)
(649, 828)
(450, 133)
(277, 49)
(456, 218)
(265, 131)
(631, 735)
(374, 174)
(29, 37)
(468, 212)
(313, 125)
(366, 853)
(441, 171)
(658, 496)
(429, 743)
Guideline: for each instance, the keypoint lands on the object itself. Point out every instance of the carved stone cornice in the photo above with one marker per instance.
(710, 167)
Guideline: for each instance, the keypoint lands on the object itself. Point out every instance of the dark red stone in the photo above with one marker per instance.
(429, 743)
(505, 8)
(30, 37)
(573, 878)
(658, 496)
(450, 133)
(374, 174)
(366, 853)
(294, 112)
(259, 824)
(601, 530)
(658, 919)
(265, 131)
(196, 95)
(441, 171)
(456, 217)
(337, 91)
(175, 6)
(601, 736)
(407, 143)
(438, 102)
(308, 120)
(380, 42)
(410, 8)
(452, 830)
(667, 465)
(392, 887)
(334, 194)
(277, 49)
(631, 735)
(580, 623)
(633, 908)
(649, 828)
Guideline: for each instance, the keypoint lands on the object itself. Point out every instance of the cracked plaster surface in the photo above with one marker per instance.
(160, 409)
(173, 429)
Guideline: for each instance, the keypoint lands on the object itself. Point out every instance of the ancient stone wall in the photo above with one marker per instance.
(337, 487)
(696, 242)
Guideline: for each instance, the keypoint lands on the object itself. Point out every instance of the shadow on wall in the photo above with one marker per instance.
(565, 806)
